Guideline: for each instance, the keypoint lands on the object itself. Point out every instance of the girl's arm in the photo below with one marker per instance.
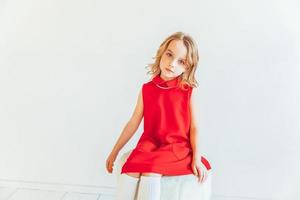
(198, 168)
(194, 128)
(128, 131)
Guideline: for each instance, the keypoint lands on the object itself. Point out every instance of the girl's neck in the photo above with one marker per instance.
(166, 78)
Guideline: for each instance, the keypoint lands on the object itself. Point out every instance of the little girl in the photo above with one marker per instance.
(169, 145)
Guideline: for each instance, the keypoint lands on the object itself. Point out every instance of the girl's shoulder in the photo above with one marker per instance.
(146, 83)
(186, 87)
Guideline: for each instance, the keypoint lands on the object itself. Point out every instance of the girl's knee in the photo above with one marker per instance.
(135, 175)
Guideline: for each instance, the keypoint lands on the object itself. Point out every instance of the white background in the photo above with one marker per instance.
(70, 72)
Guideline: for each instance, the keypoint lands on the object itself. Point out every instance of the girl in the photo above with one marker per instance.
(169, 145)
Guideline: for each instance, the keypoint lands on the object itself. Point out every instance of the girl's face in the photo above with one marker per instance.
(173, 61)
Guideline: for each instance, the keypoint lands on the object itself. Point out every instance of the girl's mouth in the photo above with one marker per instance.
(169, 70)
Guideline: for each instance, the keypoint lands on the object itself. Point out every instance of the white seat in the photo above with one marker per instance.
(184, 187)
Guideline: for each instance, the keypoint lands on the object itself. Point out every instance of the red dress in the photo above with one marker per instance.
(164, 146)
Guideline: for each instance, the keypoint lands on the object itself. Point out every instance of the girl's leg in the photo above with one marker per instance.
(149, 187)
(127, 186)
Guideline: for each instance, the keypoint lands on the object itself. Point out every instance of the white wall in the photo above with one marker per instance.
(70, 72)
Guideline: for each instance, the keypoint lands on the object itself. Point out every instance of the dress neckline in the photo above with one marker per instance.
(165, 84)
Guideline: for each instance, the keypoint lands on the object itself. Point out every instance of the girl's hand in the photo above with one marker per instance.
(199, 169)
(110, 162)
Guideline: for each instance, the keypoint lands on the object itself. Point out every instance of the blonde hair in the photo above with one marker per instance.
(188, 77)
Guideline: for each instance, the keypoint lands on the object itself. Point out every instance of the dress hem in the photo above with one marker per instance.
(143, 168)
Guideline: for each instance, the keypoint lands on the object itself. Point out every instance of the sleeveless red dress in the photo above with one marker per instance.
(164, 146)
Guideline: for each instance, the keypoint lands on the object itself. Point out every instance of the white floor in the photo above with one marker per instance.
(26, 190)
(23, 190)
(7, 193)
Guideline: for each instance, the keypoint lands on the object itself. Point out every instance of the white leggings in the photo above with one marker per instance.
(143, 188)
(126, 187)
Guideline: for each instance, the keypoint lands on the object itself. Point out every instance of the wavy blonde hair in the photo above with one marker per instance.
(188, 77)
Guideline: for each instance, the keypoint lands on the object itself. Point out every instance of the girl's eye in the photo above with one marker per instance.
(181, 62)
(168, 54)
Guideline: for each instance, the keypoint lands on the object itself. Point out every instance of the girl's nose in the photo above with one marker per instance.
(172, 63)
